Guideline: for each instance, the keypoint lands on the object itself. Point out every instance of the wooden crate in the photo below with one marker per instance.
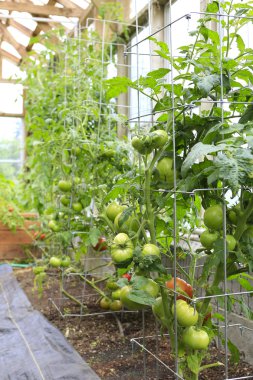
(15, 245)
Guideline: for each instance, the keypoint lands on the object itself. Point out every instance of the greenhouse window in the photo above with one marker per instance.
(11, 146)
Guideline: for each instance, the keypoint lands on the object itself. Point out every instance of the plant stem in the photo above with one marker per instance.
(99, 291)
(72, 298)
(167, 316)
(206, 302)
(206, 366)
(243, 220)
(149, 209)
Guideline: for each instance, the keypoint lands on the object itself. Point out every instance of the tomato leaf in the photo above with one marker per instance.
(94, 235)
(199, 151)
(235, 353)
(160, 73)
(213, 7)
(141, 297)
(193, 363)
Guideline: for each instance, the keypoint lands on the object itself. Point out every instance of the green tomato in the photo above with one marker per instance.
(207, 239)
(112, 285)
(105, 303)
(195, 338)
(142, 144)
(39, 269)
(64, 185)
(116, 305)
(65, 200)
(232, 216)
(159, 138)
(231, 242)
(116, 294)
(122, 250)
(186, 314)
(150, 250)
(52, 224)
(77, 206)
(129, 224)
(55, 261)
(213, 217)
(113, 209)
(165, 170)
(77, 180)
(65, 261)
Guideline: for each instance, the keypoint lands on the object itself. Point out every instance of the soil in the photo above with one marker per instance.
(112, 343)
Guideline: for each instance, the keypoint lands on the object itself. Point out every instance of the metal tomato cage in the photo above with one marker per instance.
(93, 265)
(143, 119)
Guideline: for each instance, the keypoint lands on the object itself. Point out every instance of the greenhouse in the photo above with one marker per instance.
(126, 189)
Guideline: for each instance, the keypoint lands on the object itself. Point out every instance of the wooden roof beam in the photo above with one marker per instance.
(45, 10)
(23, 29)
(69, 4)
(8, 37)
(5, 54)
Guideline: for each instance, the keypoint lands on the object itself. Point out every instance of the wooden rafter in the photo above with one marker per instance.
(42, 27)
(8, 37)
(23, 29)
(45, 10)
(69, 4)
(9, 56)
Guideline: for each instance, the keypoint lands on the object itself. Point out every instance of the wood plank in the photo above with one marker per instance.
(23, 29)
(4, 114)
(9, 38)
(69, 4)
(45, 10)
(5, 54)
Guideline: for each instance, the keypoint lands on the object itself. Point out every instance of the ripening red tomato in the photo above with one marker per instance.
(42, 236)
(101, 245)
(127, 275)
(181, 286)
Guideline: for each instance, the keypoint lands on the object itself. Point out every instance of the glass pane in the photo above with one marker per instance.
(11, 146)
(11, 100)
(140, 65)
(136, 6)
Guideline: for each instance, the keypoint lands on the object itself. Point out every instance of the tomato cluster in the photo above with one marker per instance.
(145, 144)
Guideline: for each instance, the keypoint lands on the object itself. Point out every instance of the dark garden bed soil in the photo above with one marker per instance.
(103, 340)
